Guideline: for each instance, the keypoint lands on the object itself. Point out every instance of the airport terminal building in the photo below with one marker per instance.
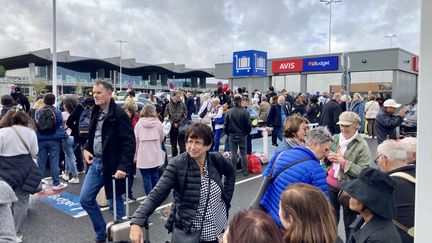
(393, 72)
(75, 73)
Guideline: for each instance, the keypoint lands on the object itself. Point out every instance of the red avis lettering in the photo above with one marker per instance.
(287, 66)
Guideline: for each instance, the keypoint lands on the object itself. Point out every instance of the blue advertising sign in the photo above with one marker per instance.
(66, 202)
(249, 63)
(320, 63)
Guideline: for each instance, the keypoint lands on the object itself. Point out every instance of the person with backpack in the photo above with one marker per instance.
(392, 159)
(50, 132)
(79, 123)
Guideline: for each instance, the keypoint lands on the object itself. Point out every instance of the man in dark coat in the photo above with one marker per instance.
(109, 151)
(238, 126)
(392, 159)
(276, 119)
(190, 105)
(386, 120)
(330, 114)
(7, 103)
(21, 99)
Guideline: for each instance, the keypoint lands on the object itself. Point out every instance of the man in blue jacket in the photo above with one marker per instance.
(50, 142)
(298, 165)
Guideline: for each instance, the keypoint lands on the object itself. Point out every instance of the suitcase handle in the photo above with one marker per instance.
(115, 200)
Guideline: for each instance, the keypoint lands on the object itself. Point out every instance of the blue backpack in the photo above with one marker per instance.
(84, 121)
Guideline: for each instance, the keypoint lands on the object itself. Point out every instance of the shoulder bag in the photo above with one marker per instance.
(255, 204)
(410, 178)
(34, 169)
(179, 236)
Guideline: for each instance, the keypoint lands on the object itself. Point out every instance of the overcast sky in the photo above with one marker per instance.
(200, 33)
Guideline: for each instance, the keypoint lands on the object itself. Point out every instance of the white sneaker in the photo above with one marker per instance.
(60, 186)
(65, 177)
(19, 239)
(74, 180)
(45, 181)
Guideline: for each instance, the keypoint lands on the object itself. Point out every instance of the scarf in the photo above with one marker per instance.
(343, 146)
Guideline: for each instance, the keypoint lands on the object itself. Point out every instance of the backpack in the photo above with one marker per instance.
(84, 121)
(254, 164)
(46, 121)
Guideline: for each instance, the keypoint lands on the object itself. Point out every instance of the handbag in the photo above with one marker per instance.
(255, 204)
(179, 236)
(34, 169)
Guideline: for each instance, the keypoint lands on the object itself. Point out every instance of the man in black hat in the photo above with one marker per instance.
(392, 159)
(372, 196)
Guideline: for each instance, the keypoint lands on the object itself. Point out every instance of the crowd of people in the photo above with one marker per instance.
(313, 175)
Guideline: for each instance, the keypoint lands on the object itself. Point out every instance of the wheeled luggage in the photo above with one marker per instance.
(119, 229)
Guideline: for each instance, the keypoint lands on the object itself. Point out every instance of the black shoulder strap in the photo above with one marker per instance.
(288, 166)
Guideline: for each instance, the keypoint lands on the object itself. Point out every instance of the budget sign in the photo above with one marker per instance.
(321, 63)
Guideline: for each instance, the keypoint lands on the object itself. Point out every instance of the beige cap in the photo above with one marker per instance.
(391, 103)
(348, 118)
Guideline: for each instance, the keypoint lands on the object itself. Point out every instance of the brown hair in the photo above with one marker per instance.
(16, 116)
(312, 215)
(292, 125)
(200, 130)
(253, 227)
(148, 110)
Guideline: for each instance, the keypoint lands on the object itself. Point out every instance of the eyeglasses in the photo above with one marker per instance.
(377, 158)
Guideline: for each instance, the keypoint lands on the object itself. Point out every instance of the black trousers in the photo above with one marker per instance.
(174, 138)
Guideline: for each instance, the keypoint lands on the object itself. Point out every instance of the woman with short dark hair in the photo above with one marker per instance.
(201, 198)
(252, 227)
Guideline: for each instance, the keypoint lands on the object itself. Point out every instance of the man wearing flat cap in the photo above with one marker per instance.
(372, 196)
(386, 120)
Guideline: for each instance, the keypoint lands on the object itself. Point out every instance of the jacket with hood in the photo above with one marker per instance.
(149, 136)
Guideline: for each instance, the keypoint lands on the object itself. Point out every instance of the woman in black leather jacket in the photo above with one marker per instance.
(196, 177)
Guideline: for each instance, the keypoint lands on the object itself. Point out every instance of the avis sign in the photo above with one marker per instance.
(305, 65)
(249, 63)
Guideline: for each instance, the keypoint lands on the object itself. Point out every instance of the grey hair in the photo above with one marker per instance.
(319, 134)
(393, 150)
(410, 145)
(337, 96)
(216, 100)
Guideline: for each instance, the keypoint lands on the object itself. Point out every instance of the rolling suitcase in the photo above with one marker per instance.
(119, 229)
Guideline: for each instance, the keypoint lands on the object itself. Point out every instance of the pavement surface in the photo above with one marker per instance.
(46, 222)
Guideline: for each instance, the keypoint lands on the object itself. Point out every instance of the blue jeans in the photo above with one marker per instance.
(49, 148)
(217, 137)
(70, 159)
(93, 182)
(150, 178)
(277, 133)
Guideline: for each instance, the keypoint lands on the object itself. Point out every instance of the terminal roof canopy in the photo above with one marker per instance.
(85, 64)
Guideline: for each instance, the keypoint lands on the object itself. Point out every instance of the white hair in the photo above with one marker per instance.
(216, 100)
(393, 150)
(410, 145)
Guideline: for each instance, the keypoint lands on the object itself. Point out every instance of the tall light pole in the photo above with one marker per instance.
(54, 58)
(391, 38)
(330, 2)
(121, 44)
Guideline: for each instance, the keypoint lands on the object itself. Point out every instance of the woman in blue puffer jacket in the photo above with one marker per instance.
(300, 164)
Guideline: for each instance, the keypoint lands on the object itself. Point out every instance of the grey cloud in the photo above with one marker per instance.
(197, 33)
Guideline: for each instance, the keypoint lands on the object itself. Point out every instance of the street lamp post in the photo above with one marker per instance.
(121, 44)
(330, 2)
(391, 38)
(54, 57)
